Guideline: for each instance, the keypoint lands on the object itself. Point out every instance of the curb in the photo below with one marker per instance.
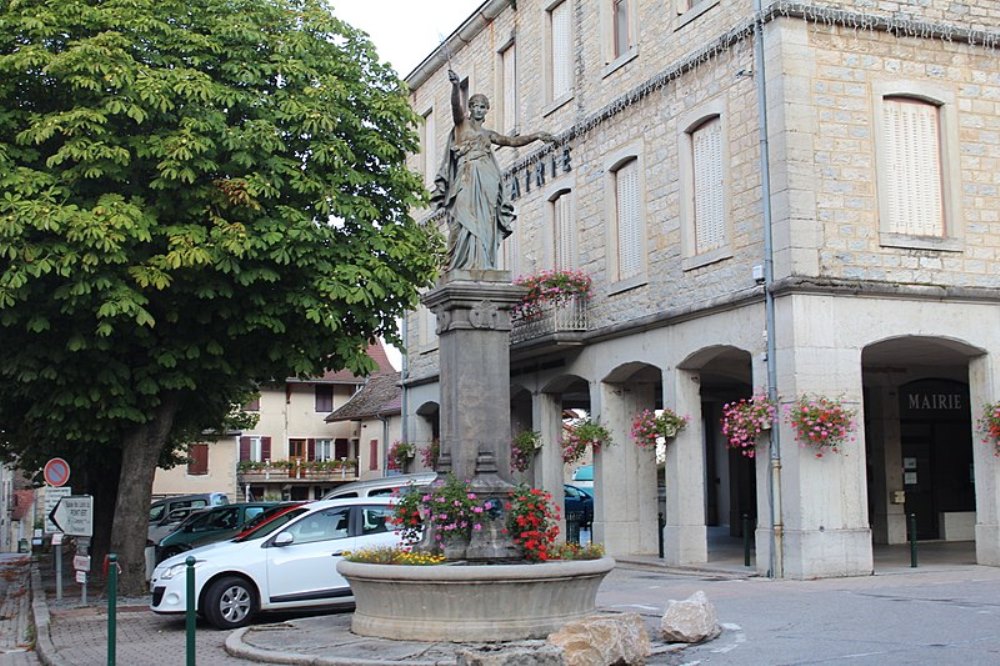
(45, 649)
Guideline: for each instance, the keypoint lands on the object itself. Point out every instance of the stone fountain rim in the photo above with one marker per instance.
(461, 571)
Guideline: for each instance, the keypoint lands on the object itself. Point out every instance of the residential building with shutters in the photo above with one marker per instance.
(800, 200)
(293, 452)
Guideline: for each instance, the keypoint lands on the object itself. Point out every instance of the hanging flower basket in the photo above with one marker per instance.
(522, 449)
(577, 437)
(989, 425)
(744, 422)
(820, 422)
(429, 454)
(550, 287)
(648, 427)
(399, 453)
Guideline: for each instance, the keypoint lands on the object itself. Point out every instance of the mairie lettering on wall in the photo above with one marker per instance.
(534, 174)
(925, 401)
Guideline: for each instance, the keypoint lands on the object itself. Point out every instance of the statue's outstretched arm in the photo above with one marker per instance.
(520, 139)
(457, 110)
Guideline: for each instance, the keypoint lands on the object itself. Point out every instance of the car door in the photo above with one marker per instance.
(374, 528)
(304, 571)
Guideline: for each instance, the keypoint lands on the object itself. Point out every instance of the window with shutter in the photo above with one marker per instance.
(245, 448)
(560, 58)
(620, 13)
(508, 89)
(324, 398)
(627, 220)
(265, 449)
(563, 231)
(373, 454)
(709, 217)
(197, 459)
(427, 148)
(252, 405)
(913, 184)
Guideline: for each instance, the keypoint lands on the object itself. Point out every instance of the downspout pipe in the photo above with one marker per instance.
(403, 402)
(776, 569)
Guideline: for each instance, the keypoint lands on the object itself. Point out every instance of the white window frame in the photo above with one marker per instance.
(951, 197)
(689, 124)
(257, 448)
(613, 163)
(612, 60)
(324, 450)
(556, 98)
(507, 92)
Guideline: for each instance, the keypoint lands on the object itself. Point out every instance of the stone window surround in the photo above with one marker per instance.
(951, 195)
(613, 63)
(500, 82)
(688, 123)
(689, 10)
(429, 139)
(612, 162)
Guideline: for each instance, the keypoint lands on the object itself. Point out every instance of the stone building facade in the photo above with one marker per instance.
(858, 259)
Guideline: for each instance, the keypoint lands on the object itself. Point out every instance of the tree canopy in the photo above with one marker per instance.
(194, 195)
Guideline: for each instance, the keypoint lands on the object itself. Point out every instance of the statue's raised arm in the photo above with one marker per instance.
(468, 185)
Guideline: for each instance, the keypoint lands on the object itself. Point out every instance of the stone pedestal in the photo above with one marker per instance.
(473, 310)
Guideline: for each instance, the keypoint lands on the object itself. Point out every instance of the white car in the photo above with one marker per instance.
(289, 562)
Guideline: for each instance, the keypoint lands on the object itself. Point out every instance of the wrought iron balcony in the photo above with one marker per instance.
(551, 325)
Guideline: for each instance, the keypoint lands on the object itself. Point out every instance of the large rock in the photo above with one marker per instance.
(621, 640)
(690, 621)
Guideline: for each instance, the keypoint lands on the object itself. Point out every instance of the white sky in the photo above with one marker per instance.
(405, 31)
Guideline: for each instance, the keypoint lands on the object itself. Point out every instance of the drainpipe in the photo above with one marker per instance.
(777, 526)
(385, 445)
(404, 375)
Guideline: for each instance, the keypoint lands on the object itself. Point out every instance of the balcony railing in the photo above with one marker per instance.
(569, 316)
(298, 470)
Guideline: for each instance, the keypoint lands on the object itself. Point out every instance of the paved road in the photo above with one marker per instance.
(939, 614)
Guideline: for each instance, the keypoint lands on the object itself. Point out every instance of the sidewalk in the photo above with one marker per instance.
(16, 630)
(73, 635)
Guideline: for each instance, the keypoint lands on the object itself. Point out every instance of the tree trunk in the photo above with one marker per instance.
(140, 454)
(100, 479)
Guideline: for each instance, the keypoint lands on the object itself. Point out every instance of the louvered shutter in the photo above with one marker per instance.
(430, 156)
(244, 448)
(562, 50)
(709, 221)
(913, 157)
(373, 454)
(265, 448)
(198, 459)
(564, 232)
(627, 204)
(509, 80)
(310, 449)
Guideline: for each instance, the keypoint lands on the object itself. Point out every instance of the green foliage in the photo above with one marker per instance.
(194, 196)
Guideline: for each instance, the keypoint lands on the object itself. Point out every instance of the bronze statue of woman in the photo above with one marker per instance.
(469, 187)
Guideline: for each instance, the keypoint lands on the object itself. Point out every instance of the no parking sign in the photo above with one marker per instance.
(56, 472)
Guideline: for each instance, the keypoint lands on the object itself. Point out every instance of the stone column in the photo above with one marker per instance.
(625, 476)
(685, 538)
(473, 327)
(984, 388)
(548, 468)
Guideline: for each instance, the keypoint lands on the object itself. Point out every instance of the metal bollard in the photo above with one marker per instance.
(191, 606)
(661, 522)
(112, 608)
(913, 540)
(746, 540)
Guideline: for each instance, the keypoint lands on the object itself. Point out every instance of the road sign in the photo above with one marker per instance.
(74, 515)
(81, 576)
(52, 498)
(56, 472)
(81, 562)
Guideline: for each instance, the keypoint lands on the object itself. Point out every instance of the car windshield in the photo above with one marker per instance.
(268, 526)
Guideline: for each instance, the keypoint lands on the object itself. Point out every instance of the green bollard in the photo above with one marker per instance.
(112, 608)
(913, 540)
(746, 540)
(190, 609)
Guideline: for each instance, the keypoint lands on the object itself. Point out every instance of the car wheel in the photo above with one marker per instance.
(230, 602)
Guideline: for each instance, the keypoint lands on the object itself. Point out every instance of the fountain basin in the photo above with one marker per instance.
(472, 603)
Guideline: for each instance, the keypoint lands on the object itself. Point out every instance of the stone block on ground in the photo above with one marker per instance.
(541, 655)
(692, 620)
(620, 640)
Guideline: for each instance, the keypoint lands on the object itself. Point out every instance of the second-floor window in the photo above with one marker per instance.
(627, 220)
(255, 449)
(197, 459)
(427, 145)
(708, 190)
(508, 90)
(324, 398)
(621, 27)
(563, 231)
(324, 449)
(913, 182)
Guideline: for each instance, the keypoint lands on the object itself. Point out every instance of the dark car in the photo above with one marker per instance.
(580, 503)
(215, 524)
